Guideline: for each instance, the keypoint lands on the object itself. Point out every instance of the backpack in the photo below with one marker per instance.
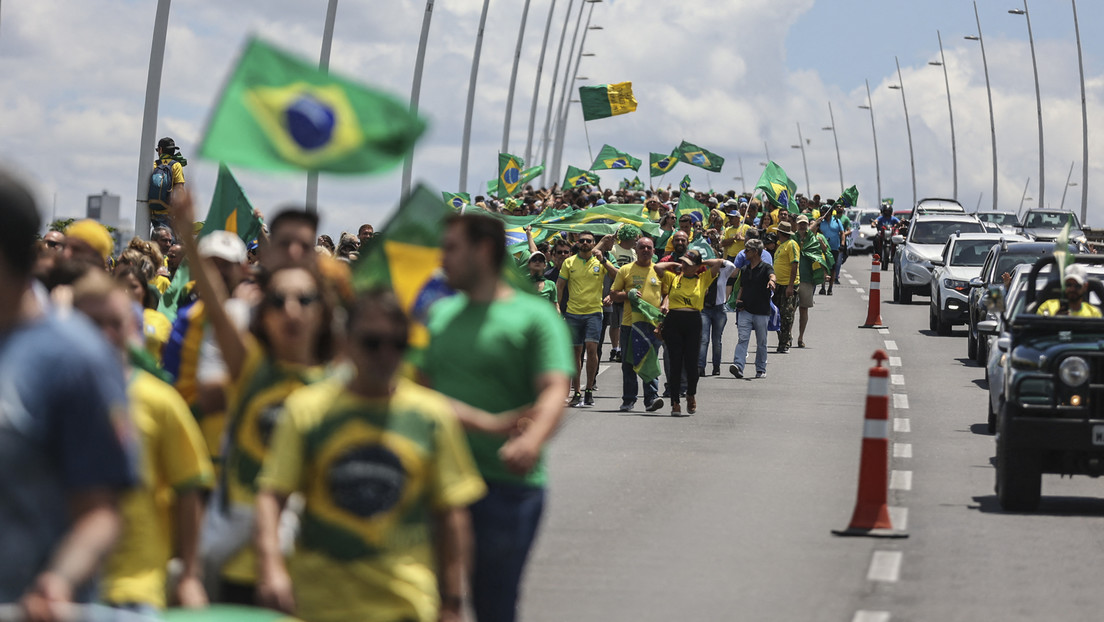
(161, 182)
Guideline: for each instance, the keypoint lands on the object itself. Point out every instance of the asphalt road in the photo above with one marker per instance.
(727, 514)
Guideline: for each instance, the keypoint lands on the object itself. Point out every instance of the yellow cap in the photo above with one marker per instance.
(94, 234)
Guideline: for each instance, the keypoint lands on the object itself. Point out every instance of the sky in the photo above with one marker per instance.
(737, 77)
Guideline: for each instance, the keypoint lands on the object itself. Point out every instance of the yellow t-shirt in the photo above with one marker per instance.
(785, 255)
(1050, 307)
(737, 245)
(373, 472)
(160, 281)
(585, 279)
(174, 459)
(773, 228)
(633, 276)
(157, 207)
(156, 328)
(687, 293)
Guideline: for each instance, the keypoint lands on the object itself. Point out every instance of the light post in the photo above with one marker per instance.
(537, 83)
(835, 137)
(565, 104)
(743, 184)
(989, 93)
(513, 79)
(416, 90)
(950, 112)
(149, 117)
(1023, 197)
(908, 126)
(766, 149)
(1068, 184)
(873, 130)
(323, 65)
(553, 107)
(801, 145)
(552, 92)
(1038, 98)
(1084, 125)
(466, 144)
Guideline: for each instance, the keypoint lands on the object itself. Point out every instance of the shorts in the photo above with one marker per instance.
(805, 295)
(584, 328)
(617, 315)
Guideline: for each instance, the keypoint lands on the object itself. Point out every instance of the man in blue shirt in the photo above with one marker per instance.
(834, 226)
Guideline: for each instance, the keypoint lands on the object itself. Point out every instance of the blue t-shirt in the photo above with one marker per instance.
(741, 260)
(832, 229)
(64, 428)
(882, 221)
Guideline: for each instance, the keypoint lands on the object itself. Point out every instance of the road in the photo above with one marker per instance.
(727, 514)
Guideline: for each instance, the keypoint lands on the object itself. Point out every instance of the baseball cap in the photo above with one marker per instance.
(1076, 272)
(734, 212)
(535, 256)
(802, 219)
(224, 245)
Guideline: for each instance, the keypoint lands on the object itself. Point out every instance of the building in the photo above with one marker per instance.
(105, 209)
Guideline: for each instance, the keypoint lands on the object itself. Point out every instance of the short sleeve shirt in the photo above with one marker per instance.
(785, 256)
(687, 293)
(737, 245)
(645, 279)
(584, 278)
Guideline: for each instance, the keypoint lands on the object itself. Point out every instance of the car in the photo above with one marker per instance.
(1005, 222)
(924, 241)
(861, 238)
(961, 261)
(936, 206)
(1051, 407)
(1045, 225)
(1012, 250)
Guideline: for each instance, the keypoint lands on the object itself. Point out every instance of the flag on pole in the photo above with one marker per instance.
(509, 174)
(600, 220)
(230, 209)
(684, 185)
(577, 178)
(778, 187)
(689, 205)
(606, 100)
(530, 174)
(456, 200)
(662, 164)
(693, 154)
(850, 197)
(279, 112)
(610, 158)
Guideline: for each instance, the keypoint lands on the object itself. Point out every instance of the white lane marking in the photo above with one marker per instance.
(900, 480)
(902, 450)
(885, 566)
(900, 400)
(852, 281)
(894, 361)
(865, 297)
(860, 290)
(899, 517)
(897, 379)
(870, 616)
(901, 425)
(883, 331)
(602, 368)
(890, 345)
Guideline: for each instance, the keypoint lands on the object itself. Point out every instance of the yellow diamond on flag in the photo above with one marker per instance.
(308, 124)
(412, 268)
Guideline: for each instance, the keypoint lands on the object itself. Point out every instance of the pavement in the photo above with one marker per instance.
(727, 514)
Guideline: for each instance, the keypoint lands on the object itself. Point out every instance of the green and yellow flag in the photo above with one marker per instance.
(600, 220)
(577, 178)
(230, 210)
(456, 200)
(279, 112)
(684, 185)
(662, 164)
(606, 100)
(610, 158)
(509, 174)
(527, 176)
(693, 154)
(850, 197)
(689, 205)
(778, 187)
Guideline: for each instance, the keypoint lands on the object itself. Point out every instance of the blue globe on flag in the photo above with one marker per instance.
(619, 163)
(698, 159)
(663, 163)
(457, 202)
(511, 175)
(310, 122)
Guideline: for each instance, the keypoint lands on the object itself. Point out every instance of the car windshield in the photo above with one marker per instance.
(1008, 261)
(970, 252)
(937, 232)
(1004, 220)
(868, 218)
(1043, 220)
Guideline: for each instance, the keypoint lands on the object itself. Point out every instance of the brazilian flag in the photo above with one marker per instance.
(689, 205)
(509, 174)
(601, 220)
(850, 197)
(685, 183)
(633, 184)
(662, 164)
(577, 178)
(610, 158)
(279, 112)
(693, 154)
(456, 200)
(606, 100)
(778, 187)
(230, 209)
(527, 176)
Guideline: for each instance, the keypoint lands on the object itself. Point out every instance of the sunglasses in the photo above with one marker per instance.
(586, 241)
(375, 343)
(280, 301)
(562, 253)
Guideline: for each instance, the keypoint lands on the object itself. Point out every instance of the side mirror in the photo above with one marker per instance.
(987, 327)
(1003, 343)
(898, 239)
(977, 282)
(938, 262)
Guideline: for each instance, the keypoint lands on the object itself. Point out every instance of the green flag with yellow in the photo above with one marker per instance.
(702, 158)
(509, 175)
(456, 200)
(611, 158)
(778, 187)
(689, 205)
(606, 100)
(577, 178)
(662, 164)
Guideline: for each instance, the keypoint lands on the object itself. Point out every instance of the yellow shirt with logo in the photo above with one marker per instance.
(687, 293)
(737, 244)
(373, 473)
(645, 279)
(785, 256)
(174, 459)
(585, 278)
(156, 329)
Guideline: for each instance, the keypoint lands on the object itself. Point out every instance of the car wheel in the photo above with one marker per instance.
(983, 350)
(932, 320)
(971, 343)
(941, 327)
(896, 288)
(906, 294)
(1019, 474)
(991, 420)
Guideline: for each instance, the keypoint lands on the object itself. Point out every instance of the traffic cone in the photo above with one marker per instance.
(874, 309)
(871, 516)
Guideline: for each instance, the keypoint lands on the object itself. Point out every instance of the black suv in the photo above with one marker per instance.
(1002, 258)
(1051, 418)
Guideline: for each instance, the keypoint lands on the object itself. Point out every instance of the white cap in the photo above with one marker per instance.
(1076, 272)
(224, 245)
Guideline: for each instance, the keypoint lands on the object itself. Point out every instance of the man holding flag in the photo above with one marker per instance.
(637, 286)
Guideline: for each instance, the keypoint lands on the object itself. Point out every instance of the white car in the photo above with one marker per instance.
(861, 237)
(961, 261)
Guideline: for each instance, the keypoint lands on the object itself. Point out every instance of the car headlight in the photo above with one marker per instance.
(955, 284)
(1074, 371)
(914, 257)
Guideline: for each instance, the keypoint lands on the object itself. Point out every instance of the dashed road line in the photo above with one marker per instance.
(860, 290)
(894, 361)
(883, 331)
(900, 480)
(902, 425)
(864, 297)
(870, 616)
(897, 379)
(900, 401)
(885, 566)
(890, 345)
(852, 281)
(899, 517)
(902, 450)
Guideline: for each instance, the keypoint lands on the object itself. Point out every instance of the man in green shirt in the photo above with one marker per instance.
(500, 351)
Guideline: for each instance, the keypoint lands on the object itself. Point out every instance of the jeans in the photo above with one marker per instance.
(838, 256)
(745, 324)
(629, 385)
(682, 334)
(713, 324)
(504, 524)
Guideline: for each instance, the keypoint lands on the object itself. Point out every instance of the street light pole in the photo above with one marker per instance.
(567, 86)
(149, 117)
(323, 65)
(908, 126)
(1084, 125)
(416, 91)
(513, 79)
(1038, 97)
(1066, 187)
(873, 130)
(989, 93)
(801, 145)
(835, 137)
(537, 82)
(950, 113)
(466, 145)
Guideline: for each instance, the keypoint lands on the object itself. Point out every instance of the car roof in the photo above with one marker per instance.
(1004, 212)
(996, 237)
(1043, 210)
(1029, 247)
(937, 200)
(946, 217)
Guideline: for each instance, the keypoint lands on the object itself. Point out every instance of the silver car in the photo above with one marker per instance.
(924, 241)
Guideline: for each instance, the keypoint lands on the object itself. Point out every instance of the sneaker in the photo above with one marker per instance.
(626, 407)
(691, 404)
(656, 404)
(829, 291)
(735, 371)
(618, 356)
(760, 374)
(588, 398)
(575, 400)
(701, 372)
(613, 356)
(676, 410)
(716, 370)
(822, 291)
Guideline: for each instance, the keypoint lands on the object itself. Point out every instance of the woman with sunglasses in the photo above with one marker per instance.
(288, 343)
(685, 282)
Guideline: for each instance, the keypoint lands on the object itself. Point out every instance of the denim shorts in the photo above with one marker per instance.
(584, 328)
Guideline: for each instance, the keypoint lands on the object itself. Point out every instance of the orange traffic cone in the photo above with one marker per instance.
(874, 309)
(871, 516)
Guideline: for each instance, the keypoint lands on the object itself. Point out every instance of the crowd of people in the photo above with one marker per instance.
(235, 404)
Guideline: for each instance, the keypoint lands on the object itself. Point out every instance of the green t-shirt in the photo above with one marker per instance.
(489, 356)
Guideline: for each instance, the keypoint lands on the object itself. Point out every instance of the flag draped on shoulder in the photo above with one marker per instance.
(456, 200)
(778, 187)
(662, 164)
(279, 112)
(577, 178)
(693, 154)
(606, 100)
(509, 174)
(611, 158)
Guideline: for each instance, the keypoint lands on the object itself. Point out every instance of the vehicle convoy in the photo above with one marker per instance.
(1045, 225)
(1051, 410)
(1004, 222)
(924, 241)
(1003, 258)
(961, 262)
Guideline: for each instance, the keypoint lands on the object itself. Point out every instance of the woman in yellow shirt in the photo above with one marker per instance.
(685, 282)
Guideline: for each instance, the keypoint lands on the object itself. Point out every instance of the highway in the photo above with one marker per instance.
(727, 514)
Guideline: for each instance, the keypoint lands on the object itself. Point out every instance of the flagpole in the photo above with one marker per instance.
(513, 80)
(536, 85)
(590, 152)
(149, 117)
(416, 92)
(466, 148)
(324, 66)
(552, 95)
(566, 88)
